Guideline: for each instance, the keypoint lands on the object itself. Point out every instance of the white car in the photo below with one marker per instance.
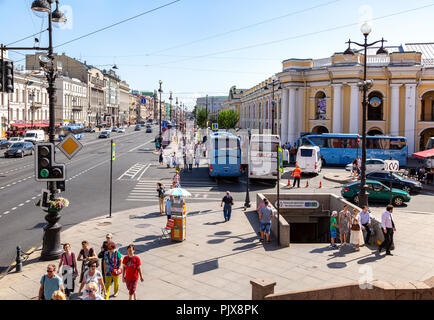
(121, 130)
(16, 139)
(371, 165)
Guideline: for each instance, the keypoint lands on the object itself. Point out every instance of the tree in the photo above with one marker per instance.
(228, 119)
(201, 118)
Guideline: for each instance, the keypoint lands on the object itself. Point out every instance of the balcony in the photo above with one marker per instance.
(77, 108)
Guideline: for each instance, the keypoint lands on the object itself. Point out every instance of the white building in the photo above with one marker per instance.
(71, 101)
(213, 103)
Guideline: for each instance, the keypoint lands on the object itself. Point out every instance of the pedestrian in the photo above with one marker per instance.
(176, 179)
(50, 283)
(359, 164)
(365, 220)
(86, 254)
(58, 295)
(266, 213)
(421, 174)
(197, 158)
(296, 173)
(190, 161)
(69, 269)
(160, 156)
(344, 225)
(112, 269)
(93, 275)
(333, 228)
(388, 227)
(161, 194)
(204, 150)
(174, 160)
(92, 292)
(185, 160)
(228, 202)
(169, 207)
(131, 272)
(356, 236)
(108, 238)
(355, 167)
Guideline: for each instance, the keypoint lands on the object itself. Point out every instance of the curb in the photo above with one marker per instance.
(337, 180)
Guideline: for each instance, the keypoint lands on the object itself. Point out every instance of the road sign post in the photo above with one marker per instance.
(391, 166)
(112, 158)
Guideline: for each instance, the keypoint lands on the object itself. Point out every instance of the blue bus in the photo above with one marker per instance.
(224, 155)
(344, 148)
(76, 129)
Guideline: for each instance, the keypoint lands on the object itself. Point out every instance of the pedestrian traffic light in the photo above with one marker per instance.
(46, 168)
(6, 76)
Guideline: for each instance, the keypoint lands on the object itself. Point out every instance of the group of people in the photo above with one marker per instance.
(190, 155)
(351, 227)
(59, 286)
(165, 205)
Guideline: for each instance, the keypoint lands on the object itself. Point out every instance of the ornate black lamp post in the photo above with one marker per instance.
(364, 86)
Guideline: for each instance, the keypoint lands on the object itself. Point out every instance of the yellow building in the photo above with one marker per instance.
(324, 95)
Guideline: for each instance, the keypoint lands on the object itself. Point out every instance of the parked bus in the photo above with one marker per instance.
(76, 129)
(224, 155)
(342, 148)
(263, 156)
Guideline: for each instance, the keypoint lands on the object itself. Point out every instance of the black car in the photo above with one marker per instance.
(138, 128)
(104, 134)
(398, 182)
(4, 144)
(148, 129)
(19, 149)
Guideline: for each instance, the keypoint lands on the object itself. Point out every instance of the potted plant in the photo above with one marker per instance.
(56, 205)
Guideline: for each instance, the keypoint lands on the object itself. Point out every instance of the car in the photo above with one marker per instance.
(4, 144)
(104, 134)
(89, 129)
(398, 182)
(138, 127)
(371, 165)
(19, 149)
(148, 129)
(115, 129)
(376, 192)
(121, 130)
(16, 139)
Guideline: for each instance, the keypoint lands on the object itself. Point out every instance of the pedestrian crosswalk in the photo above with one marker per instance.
(135, 172)
(200, 189)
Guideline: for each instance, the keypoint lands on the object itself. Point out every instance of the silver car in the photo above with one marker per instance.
(371, 165)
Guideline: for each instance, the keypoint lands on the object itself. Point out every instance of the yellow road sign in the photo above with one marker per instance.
(70, 146)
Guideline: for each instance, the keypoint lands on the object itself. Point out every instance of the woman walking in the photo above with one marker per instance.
(112, 269)
(104, 249)
(356, 237)
(344, 225)
(69, 270)
(131, 272)
(93, 275)
(161, 191)
(86, 254)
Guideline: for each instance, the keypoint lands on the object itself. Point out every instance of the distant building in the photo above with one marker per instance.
(213, 103)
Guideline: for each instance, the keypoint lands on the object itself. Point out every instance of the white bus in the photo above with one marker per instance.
(263, 156)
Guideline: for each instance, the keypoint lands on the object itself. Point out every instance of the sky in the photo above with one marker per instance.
(199, 47)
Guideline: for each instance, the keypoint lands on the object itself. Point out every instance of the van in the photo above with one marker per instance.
(309, 159)
(35, 136)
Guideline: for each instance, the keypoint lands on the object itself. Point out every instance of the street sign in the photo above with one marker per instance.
(391, 165)
(298, 204)
(45, 197)
(113, 151)
(280, 151)
(70, 146)
(215, 126)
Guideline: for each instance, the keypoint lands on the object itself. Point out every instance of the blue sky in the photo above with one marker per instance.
(231, 36)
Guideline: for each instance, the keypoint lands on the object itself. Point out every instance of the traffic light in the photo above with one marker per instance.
(6, 76)
(46, 168)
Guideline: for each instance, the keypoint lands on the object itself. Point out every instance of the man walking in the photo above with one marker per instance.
(265, 215)
(366, 223)
(228, 201)
(50, 282)
(388, 228)
(296, 173)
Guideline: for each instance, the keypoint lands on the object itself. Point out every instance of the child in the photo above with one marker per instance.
(333, 227)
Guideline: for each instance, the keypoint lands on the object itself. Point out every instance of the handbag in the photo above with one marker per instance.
(355, 227)
(116, 271)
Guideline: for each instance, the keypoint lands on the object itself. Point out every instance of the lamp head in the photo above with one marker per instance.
(366, 29)
(42, 6)
(57, 15)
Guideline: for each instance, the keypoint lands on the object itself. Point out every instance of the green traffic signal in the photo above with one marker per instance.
(44, 173)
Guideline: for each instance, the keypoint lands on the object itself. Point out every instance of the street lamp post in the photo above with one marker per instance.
(247, 200)
(160, 91)
(170, 99)
(365, 86)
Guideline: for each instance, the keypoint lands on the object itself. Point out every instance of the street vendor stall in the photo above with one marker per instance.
(178, 212)
(428, 157)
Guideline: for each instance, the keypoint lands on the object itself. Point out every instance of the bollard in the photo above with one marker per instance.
(320, 184)
(307, 183)
(19, 261)
(289, 182)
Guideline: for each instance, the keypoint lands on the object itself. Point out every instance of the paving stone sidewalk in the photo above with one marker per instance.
(217, 260)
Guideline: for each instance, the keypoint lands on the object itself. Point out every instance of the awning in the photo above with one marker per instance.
(35, 124)
(424, 154)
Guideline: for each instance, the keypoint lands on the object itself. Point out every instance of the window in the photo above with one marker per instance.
(306, 152)
(377, 187)
(321, 106)
(319, 141)
(375, 106)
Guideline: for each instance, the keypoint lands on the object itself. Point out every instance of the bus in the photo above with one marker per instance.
(76, 129)
(342, 148)
(224, 155)
(263, 156)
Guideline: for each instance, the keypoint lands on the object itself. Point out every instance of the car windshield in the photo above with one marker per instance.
(15, 139)
(17, 146)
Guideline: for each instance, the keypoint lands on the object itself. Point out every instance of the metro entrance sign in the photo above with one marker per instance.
(391, 165)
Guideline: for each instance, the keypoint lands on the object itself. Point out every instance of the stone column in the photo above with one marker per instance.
(291, 116)
(410, 116)
(394, 110)
(284, 117)
(354, 108)
(299, 111)
(337, 108)
(261, 288)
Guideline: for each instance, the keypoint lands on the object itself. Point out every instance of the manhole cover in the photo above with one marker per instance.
(143, 225)
(104, 223)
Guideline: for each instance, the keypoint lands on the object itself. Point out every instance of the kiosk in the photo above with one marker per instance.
(179, 214)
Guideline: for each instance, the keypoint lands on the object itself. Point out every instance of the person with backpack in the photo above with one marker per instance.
(131, 272)
(161, 191)
(69, 269)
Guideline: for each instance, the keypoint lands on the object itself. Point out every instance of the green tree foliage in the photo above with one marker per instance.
(228, 119)
(201, 118)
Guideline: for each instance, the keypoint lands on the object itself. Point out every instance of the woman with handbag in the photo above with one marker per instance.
(356, 236)
(69, 269)
(86, 254)
(112, 268)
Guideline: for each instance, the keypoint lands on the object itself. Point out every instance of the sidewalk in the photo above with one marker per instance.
(217, 260)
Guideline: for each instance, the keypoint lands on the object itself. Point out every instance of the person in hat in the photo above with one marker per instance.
(333, 228)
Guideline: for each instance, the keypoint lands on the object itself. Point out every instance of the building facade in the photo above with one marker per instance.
(323, 96)
(71, 101)
(112, 80)
(213, 103)
(124, 102)
(96, 96)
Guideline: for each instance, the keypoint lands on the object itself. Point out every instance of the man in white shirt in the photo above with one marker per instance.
(388, 227)
(366, 223)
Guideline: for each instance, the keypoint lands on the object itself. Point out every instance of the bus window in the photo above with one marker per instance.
(320, 142)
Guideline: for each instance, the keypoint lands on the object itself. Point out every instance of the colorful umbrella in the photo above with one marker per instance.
(178, 192)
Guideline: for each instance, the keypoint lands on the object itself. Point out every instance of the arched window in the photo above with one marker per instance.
(321, 106)
(375, 106)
